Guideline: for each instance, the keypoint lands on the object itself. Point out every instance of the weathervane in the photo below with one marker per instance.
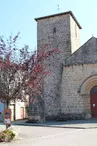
(58, 8)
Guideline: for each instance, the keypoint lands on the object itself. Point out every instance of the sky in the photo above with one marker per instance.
(18, 16)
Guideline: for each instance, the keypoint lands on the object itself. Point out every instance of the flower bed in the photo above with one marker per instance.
(7, 135)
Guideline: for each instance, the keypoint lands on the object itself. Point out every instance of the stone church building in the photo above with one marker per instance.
(70, 91)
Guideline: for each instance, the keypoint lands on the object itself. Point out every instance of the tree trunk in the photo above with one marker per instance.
(8, 103)
(14, 111)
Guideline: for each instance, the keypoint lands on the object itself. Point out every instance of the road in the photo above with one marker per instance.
(49, 136)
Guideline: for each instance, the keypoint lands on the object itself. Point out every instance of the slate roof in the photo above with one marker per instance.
(59, 14)
(86, 54)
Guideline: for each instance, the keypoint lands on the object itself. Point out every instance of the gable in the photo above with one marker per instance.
(86, 54)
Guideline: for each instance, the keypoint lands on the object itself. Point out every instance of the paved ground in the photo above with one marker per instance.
(78, 133)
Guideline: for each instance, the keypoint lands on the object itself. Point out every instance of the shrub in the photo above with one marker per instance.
(7, 135)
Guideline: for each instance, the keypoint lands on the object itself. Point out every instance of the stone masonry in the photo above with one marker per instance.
(73, 100)
(60, 31)
(66, 91)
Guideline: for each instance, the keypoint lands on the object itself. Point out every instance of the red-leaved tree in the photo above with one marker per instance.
(21, 71)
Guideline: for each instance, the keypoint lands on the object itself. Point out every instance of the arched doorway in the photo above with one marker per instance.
(93, 99)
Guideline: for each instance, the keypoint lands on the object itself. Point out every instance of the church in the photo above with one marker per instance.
(70, 91)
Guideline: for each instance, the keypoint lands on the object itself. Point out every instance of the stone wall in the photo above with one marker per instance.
(73, 102)
(55, 31)
(75, 35)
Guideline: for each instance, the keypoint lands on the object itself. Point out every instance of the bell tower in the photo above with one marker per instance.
(61, 31)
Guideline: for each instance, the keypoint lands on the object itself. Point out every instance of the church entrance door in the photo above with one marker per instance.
(93, 95)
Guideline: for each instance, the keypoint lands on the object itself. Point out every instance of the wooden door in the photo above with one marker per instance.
(22, 112)
(93, 95)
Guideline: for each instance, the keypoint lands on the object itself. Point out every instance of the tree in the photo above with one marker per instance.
(21, 71)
